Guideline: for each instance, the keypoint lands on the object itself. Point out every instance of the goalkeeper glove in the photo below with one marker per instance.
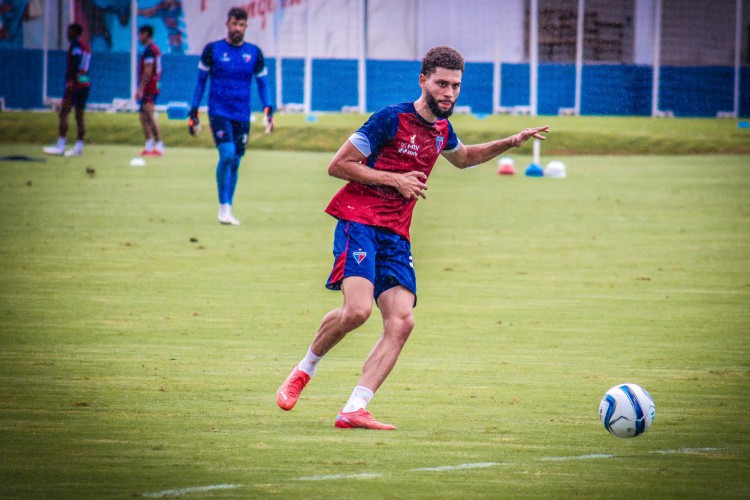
(268, 119)
(194, 124)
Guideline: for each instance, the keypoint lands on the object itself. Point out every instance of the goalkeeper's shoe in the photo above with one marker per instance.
(360, 419)
(288, 393)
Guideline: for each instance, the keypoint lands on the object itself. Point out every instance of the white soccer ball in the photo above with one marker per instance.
(627, 410)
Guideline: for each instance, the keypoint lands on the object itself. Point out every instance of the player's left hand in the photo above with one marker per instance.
(528, 133)
(268, 119)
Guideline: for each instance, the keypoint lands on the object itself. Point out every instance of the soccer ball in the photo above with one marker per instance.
(627, 410)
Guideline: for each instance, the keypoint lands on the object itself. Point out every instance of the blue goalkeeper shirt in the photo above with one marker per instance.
(231, 69)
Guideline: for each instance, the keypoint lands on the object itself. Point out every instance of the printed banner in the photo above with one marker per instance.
(321, 29)
(12, 13)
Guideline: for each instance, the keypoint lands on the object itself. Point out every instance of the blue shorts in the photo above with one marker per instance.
(381, 256)
(147, 99)
(226, 130)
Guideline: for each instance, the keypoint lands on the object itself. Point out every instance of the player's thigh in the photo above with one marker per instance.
(80, 97)
(241, 133)
(354, 252)
(66, 104)
(221, 129)
(396, 306)
(357, 293)
(395, 265)
(147, 105)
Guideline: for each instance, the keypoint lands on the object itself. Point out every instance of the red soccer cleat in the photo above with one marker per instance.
(153, 152)
(360, 419)
(288, 393)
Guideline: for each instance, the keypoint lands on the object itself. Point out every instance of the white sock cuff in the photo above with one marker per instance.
(363, 392)
(360, 398)
(310, 363)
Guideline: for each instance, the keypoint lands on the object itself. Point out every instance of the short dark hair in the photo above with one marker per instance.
(238, 13)
(442, 57)
(76, 28)
(148, 29)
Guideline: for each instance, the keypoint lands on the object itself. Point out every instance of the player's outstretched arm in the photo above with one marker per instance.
(476, 154)
(347, 165)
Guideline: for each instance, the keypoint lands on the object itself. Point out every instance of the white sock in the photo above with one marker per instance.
(361, 395)
(310, 363)
(159, 146)
(78, 147)
(149, 145)
(61, 143)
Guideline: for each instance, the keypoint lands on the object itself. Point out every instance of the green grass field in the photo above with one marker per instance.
(142, 343)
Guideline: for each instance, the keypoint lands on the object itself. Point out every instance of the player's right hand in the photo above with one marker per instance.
(412, 185)
(194, 124)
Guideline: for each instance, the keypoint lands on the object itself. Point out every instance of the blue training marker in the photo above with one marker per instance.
(534, 170)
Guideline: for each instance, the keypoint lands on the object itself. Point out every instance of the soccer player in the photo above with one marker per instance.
(77, 87)
(149, 74)
(386, 163)
(231, 64)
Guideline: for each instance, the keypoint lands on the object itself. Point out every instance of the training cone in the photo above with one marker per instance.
(555, 170)
(505, 166)
(534, 170)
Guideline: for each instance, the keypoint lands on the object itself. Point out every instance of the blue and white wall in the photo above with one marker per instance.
(325, 55)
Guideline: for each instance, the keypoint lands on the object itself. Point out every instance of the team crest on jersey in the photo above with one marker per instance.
(413, 138)
(246, 57)
(225, 57)
(359, 256)
(439, 143)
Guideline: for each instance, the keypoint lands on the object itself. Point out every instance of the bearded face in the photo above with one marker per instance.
(441, 90)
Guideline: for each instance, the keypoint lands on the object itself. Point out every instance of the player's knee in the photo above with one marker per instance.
(400, 327)
(405, 324)
(357, 314)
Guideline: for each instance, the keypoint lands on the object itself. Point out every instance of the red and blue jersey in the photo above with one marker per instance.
(232, 69)
(150, 55)
(395, 139)
(77, 65)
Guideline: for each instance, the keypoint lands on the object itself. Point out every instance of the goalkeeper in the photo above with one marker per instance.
(231, 64)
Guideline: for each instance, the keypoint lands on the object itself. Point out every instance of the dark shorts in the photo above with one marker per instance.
(226, 130)
(77, 97)
(147, 99)
(381, 256)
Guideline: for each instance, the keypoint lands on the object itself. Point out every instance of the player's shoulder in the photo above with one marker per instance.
(402, 107)
(251, 47)
(393, 110)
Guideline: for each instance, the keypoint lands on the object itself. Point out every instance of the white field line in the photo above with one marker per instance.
(370, 475)
(444, 468)
(187, 491)
(685, 451)
(364, 475)
(580, 457)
